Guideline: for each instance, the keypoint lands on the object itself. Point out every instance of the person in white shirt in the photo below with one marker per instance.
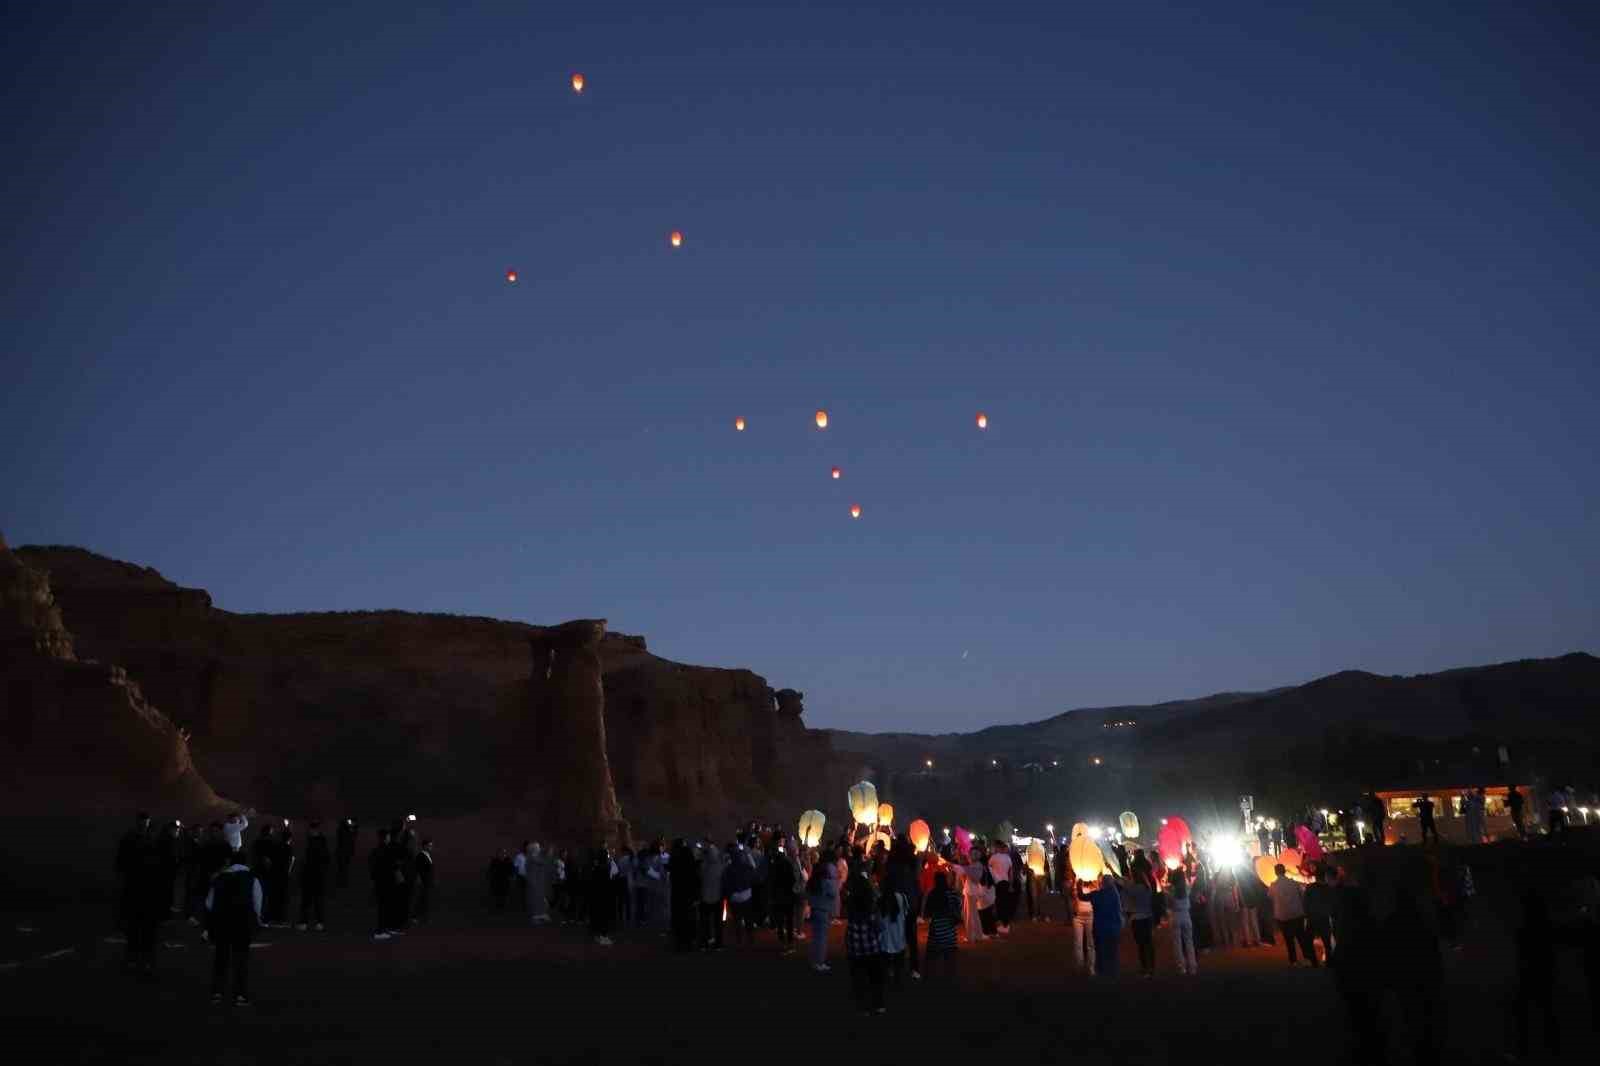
(1289, 911)
(1000, 870)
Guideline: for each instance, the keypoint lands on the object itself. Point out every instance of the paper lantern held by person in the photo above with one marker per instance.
(811, 826)
(1130, 824)
(920, 834)
(1037, 862)
(885, 814)
(1172, 840)
(1264, 868)
(1087, 860)
(863, 800)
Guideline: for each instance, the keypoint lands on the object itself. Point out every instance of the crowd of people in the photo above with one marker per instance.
(902, 912)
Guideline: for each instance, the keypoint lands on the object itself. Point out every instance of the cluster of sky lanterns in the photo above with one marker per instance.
(675, 239)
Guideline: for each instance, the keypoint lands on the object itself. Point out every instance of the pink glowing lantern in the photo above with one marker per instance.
(1172, 840)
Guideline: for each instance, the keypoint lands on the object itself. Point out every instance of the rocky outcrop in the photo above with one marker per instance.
(378, 712)
(79, 735)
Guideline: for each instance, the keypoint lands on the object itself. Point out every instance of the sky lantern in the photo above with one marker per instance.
(963, 841)
(1310, 846)
(1085, 857)
(511, 276)
(1264, 868)
(885, 814)
(920, 834)
(1129, 823)
(577, 83)
(863, 800)
(811, 825)
(822, 420)
(855, 510)
(738, 424)
(1036, 859)
(1291, 860)
(983, 420)
(837, 473)
(1172, 839)
(676, 237)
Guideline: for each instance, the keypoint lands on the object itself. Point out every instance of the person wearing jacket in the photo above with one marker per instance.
(233, 913)
(1106, 902)
(901, 876)
(684, 893)
(738, 887)
(314, 877)
(537, 871)
(822, 893)
(780, 894)
(711, 898)
(1180, 899)
(380, 868)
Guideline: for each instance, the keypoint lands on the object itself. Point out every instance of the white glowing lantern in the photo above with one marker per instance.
(863, 799)
(811, 826)
(1130, 824)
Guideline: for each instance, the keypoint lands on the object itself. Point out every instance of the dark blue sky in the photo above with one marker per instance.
(1284, 316)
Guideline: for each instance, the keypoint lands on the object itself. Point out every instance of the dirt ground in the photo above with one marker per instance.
(479, 987)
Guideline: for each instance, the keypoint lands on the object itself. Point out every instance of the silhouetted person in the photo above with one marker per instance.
(263, 862)
(602, 900)
(170, 850)
(685, 885)
(345, 850)
(383, 872)
(1357, 965)
(1425, 820)
(1415, 970)
(1536, 964)
(1516, 803)
(1321, 903)
(422, 874)
(233, 913)
(283, 862)
(314, 877)
(138, 865)
(500, 873)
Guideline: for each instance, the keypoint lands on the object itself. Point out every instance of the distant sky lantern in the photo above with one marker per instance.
(885, 814)
(855, 510)
(822, 420)
(1130, 824)
(811, 826)
(738, 424)
(920, 834)
(676, 238)
(863, 799)
(983, 420)
(577, 83)
(511, 276)
(1171, 840)
(836, 473)
(1036, 859)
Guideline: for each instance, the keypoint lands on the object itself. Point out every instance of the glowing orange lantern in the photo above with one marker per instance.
(983, 420)
(1085, 857)
(885, 814)
(1292, 861)
(811, 825)
(863, 799)
(1036, 859)
(836, 473)
(855, 510)
(822, 420)
(738, 424)
(1264, 868)
(577, 83)
(676, 238)
(511, 276)
(920, 834)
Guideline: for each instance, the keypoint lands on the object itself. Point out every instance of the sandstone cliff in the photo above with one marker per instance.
(79, 736)
(376, 712)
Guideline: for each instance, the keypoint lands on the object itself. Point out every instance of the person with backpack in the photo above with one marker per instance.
(233, 914)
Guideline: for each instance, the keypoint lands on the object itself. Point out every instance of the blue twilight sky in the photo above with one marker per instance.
(1284, 316)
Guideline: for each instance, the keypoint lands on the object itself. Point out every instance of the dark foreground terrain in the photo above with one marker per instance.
(479, 987)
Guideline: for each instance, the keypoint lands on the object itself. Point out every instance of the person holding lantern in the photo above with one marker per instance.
(1106, 902)
(822, 894)
(900, 876)
(1077, 893)
(1179, 907)
(1289, 911)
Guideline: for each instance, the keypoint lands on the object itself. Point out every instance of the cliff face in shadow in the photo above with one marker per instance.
(79, 735)
(386, 711)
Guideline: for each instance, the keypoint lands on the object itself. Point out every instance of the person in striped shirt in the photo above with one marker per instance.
(943, 909)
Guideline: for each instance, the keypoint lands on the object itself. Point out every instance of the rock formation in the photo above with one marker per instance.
(79, 736)
(372, 713)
